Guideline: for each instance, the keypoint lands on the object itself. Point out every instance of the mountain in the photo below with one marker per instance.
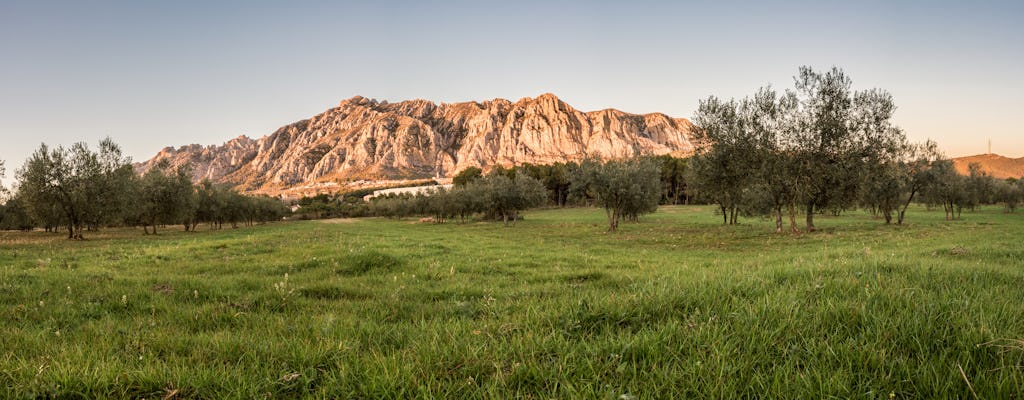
(363, 140)
(996, 165)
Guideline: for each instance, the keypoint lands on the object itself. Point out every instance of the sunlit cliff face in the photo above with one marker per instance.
(363, 139)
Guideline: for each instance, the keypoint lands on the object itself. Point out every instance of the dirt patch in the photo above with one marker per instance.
(338, 220)
(163, 289)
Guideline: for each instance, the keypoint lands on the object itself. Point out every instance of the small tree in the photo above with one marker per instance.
(166, 197)
(13, 216)
(979, 187)
(84, 187)
(1010, 192)
(507, 197)
(673, 180)
(722, 169)
(945, 187)
(624, 188)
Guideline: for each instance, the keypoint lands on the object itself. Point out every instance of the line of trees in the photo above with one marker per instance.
(560, 181)
(496, 196)
(625, 189)
(79, 189)
(955, 192)
(820, 147)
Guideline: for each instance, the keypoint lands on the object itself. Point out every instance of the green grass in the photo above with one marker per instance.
(676, 306)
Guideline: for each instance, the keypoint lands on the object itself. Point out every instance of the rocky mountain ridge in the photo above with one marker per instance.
(363, 140)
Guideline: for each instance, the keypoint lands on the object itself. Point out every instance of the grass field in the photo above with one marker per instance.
(676, 306)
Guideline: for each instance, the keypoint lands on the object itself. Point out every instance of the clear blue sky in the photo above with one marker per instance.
(152, 74)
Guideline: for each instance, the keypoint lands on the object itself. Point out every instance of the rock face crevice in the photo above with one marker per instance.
(363, 139)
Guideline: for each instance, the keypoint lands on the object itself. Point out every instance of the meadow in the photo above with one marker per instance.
(675, 306)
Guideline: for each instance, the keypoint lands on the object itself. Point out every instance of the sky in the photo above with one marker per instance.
(152, 74)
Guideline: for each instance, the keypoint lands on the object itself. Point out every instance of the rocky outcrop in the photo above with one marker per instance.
(363, 139)
(207, 162)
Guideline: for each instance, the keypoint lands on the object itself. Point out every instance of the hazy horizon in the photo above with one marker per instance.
(157, 75)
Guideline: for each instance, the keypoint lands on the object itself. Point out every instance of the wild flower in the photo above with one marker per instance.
(283, 290)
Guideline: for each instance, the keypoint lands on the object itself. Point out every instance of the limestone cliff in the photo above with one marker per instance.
(363, 139)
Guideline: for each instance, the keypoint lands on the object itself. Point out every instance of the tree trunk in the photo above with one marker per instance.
(725, 216)
(810, 218)
(792, 219)
(903, 211)
(778, 219)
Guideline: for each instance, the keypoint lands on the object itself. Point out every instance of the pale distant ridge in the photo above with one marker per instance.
(996, 165)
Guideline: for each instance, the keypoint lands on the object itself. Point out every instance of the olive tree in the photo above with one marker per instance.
(722, 168)
(746, 161)
(507, 197)
(945, 187)
(166, 197)
(1010, 192)
(624, 188)
(86, 188)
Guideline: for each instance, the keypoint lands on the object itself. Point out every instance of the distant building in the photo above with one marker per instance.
(405, 190)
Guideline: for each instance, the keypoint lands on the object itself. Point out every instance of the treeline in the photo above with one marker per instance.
(822, 147)
(497, 196)
(560, 183)
(78, 189)
(954, 192)
(626, 189)
(343, 204)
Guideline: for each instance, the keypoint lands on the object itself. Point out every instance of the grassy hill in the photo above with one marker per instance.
(676, 306)
(996, 165)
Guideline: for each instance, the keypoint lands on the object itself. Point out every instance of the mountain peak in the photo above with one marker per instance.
(358, 100)
(418, 138)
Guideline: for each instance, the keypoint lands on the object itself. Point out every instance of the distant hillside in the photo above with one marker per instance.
(996, 165)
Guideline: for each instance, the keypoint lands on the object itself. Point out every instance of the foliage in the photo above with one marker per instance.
(507, 197)
(821, 147)
(14, 215)
(3, 190)
(727, 163)
(674, 188)
(166, 197)
(1009, 192)
(946, 188)
(467, 176)
(494, 195)
(624, 188)
(76, 187)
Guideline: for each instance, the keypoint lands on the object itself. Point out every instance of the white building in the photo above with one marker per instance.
(405, 190)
